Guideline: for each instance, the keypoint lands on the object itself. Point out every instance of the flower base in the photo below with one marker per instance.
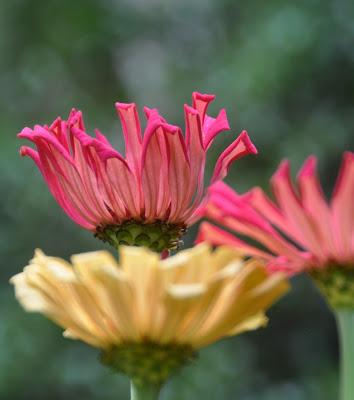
(336, 283)
(148, 364)
(157, 236)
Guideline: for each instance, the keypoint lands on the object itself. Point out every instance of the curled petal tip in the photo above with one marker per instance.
(151, 112)
(25, 133)
(23, 151)
(170, 128)
(190, 110)
(123, 106)
(29, 152)
(223, 116)
(203, 96)
(252, 149)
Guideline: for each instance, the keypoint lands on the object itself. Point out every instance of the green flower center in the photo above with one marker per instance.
(148, 363)
(157, 236)
(336, 283)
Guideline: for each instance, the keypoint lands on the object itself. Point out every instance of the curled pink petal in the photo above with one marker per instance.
(159, 180)
(201, 103)
(297, 232)
(214, 126)
(239, 148)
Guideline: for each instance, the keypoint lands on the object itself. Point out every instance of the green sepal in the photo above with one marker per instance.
(148, 363)
(336, 283)
(157, 236)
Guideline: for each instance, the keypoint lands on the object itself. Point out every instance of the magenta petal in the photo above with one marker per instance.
(161, 177)
(216, 236)
(315, 204)
(343, 206)
(239, 148)
(212, 127)
(28, 151)
(132, 133)
(201, 103)
(298, 219)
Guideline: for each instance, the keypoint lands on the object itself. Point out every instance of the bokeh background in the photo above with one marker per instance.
(284, 70)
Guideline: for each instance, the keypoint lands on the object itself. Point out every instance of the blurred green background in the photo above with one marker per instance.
(285, 72)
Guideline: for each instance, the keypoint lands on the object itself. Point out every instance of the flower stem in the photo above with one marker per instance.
(144, 392)
(345, 321)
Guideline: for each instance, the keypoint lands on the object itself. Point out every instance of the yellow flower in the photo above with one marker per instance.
(186, 301)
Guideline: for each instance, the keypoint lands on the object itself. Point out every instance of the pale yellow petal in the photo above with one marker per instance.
(102, 276)
(195, 297)
(179, 301)
(194, 264)
(241, 301)
(141, 265)
(224, 255)
(32, 300)
(259, 320)
(78, 334)
(197, 317)
(94, 259)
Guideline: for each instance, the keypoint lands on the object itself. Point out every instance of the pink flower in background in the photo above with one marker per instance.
(300, 231)
(160, 180)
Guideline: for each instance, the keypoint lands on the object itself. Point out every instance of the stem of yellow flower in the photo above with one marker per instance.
(144, 392)
(345, 321)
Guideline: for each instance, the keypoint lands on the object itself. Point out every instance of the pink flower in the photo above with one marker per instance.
(300, 231)
(160, 180)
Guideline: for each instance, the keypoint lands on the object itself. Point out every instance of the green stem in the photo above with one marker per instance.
(345, 321)
(144, 392)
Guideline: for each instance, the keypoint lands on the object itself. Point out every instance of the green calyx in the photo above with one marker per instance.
(157, 236)
(336, 283)
(148, 363)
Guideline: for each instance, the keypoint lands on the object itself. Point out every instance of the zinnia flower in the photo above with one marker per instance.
(300, 231)
(147, 315)
(150, 196)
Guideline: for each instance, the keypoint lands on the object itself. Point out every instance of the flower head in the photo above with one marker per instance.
(158, 185)
(300, 231)
(176, 305)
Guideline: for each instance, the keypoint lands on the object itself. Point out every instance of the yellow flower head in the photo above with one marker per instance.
(188, 300)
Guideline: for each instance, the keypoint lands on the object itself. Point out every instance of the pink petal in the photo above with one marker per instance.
(342, 205)
(86, 168)
(28, 151)
(194, 144)
(201, 102)
(245, 220)
(239, 148)
(301, 226)
(121, 184)
(155, 161)
(314, 202)
(62, 194)
(213, 126)
(216, 236)
(179, 174)
(132, 133)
